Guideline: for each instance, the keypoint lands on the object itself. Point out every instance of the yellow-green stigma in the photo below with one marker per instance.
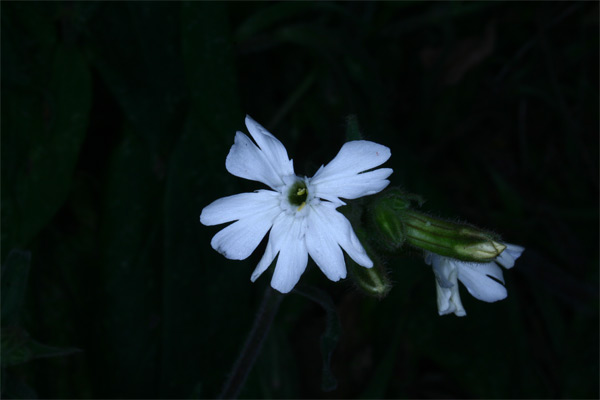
(298, 194)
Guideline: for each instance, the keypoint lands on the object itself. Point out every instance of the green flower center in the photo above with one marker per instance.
(298, 194)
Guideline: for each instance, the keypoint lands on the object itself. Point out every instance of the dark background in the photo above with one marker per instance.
(116, 121)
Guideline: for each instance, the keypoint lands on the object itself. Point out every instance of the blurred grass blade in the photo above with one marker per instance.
(268, 16)
(352, 128)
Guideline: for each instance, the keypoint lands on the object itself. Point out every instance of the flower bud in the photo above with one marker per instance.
(397, 223)
(487, 249)
(450, 239)
(371, 281)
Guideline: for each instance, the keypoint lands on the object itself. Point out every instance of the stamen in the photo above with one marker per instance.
(298, 194)
(303, 203)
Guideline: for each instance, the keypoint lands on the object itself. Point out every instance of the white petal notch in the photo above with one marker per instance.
(299, 213)
(484, 281)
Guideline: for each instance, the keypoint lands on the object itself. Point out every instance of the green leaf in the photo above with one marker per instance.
(46, 132)
(136, 49)
(128, 321)
(18, 348)
(330, 336)
(15, 272)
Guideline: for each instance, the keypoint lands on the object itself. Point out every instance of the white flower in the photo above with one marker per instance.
(299, 211)
(483, 280)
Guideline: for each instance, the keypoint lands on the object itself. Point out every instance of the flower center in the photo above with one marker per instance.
(298, 194)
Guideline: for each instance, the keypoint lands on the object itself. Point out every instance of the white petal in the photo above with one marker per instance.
(443, 299)
(344, 176)
(292, 258)
(448, 300)
(509, 255)
(322, 246)
(489, 269)
(265, 261)
(341, 231)
(281, 225)
(479, 284)
(238, 240)
(354, 157)
(249, 162)
(238, 206)
(352, 186)
(446, 284)
(429, 257)
(446, 273)
(457, 307)
(443, 269)
(273, 148)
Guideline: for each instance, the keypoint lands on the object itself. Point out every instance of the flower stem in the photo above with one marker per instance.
(243, 365)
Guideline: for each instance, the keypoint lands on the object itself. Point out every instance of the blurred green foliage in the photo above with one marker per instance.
(116, 121)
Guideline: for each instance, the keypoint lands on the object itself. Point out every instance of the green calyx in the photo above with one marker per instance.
(372, 281)
(298, 194)
(391, 228)
(450, 239)
(386, 215)
(397, 224)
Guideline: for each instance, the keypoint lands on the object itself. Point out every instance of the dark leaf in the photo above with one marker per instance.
(18, 348)
(48, 127)
(129, 321)
(15, 272)
(136, 48)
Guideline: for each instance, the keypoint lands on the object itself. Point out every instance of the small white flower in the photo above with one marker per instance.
(483, 280)
(299, 211)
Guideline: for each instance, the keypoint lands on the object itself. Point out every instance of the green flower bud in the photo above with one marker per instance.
(397, 223)
(486, 249)
(372, 281)
(450, 239)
